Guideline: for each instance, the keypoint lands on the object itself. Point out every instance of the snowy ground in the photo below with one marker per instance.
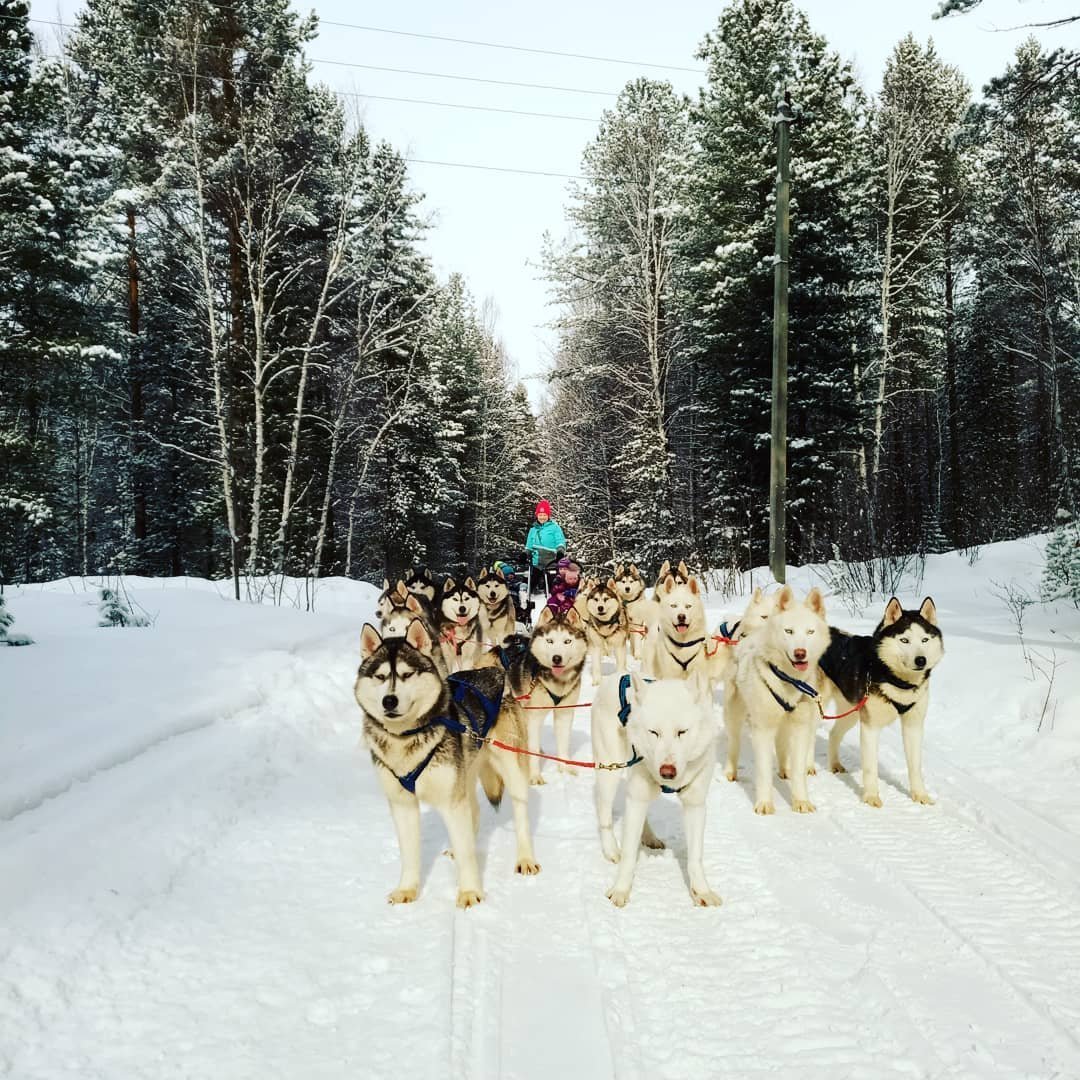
(194, 860)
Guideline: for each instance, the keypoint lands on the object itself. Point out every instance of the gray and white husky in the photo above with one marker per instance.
(425, 746)
(630, 586)
(605, 626)
(546, 673)
(887, 672)
(666, 732)
(497, 615)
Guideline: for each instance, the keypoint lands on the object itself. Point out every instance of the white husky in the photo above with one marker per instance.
(777, 679)
(666, 731)
(677, 649)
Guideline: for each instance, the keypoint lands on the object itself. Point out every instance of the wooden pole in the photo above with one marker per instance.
(778, 442)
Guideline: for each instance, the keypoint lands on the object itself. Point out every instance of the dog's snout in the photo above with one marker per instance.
(920, 661)
(556, 661)
(668, 772)
(800, 654)
(389, 702)
(463, 610)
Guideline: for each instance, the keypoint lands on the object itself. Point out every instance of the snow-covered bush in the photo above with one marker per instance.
(1061, 575)
(6, 619)
(115, 610)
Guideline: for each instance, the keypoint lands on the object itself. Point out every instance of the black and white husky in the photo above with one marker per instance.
(460, 635)
(424, 733)
(498, 617)
(880, 678)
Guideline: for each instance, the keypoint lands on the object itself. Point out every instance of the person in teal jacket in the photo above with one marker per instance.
(545, 544)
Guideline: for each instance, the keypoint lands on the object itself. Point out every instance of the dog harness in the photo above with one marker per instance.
(683, 645)
(804, 687)
(478, 725)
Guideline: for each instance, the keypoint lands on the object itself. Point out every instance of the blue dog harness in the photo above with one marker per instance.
(480, 722)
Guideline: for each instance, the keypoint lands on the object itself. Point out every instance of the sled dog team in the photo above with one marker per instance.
(446, 685)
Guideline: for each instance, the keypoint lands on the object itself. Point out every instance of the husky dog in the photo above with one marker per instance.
(605, 626)
(752, 619)
(425, 745)
(887, 675)
(459, 624)
(666, 731)
(777, 682)
(549, 671)
(419, 581)
(391, 599)
(630, 586)
(397, 623)
(497, 614)
(680, 639)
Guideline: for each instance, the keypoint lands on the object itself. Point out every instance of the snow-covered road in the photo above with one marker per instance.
(208, 898)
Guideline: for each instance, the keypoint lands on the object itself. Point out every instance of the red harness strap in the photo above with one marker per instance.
(855, 708)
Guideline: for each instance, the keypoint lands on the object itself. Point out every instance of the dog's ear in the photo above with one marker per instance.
(928, 611)
(369, 641)
(449, 585)
(757, 594)
(418, 637)
(664, 570)
(669, 583)
(684, 570)
(693, 586)
(413, 605)
(470, 584)
(611, 584)
(638, 683)
(816, 602)
(572, 616)
(544, 617)
(894, 611)
(500, 575)
(385, 584)
(784, 598)
(619, 570)
(633, 570)
(401, 589)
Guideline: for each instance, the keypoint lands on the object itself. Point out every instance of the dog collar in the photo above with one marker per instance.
(684, 644)
(624, 701)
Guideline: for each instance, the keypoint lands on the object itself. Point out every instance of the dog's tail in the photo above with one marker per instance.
(491, 781)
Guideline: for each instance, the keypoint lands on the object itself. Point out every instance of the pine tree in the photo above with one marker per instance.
(759, 50)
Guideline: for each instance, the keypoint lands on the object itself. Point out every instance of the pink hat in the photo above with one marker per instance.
(543, 507)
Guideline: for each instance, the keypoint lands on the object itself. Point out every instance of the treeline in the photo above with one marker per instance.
(222, 350)
(934, 348)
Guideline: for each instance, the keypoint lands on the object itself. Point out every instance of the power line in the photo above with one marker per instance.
(513, 48)
(495, 168)
(429, 37)
(465, 78)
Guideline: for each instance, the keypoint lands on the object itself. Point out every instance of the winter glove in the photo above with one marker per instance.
(560, 551)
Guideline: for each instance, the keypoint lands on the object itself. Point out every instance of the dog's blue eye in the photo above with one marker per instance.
(811, 631)
(905, 640)
(925, 640)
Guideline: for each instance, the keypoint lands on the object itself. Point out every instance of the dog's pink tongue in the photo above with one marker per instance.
(668, 772)
(800, 665)
(557, 669)
(682, 627)
(462, 620)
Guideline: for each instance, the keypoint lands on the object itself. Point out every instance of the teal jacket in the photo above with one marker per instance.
(549, 536)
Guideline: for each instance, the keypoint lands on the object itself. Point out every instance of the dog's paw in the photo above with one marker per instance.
(537, 781)
(811, 770)
(618, 897)
(923, 797)
(731, 774)
(837, 767)
(705, 898)
(653, 843)
(570, 770)
(872, 800)
(764, 806)
(467, 898)
(782, 774)
(528, 867)
(610, 849)
(402, 896)
(803, 806)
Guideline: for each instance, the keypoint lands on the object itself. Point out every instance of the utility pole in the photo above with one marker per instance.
(778, 443)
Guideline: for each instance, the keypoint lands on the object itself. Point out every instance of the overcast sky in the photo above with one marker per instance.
(489, 225)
